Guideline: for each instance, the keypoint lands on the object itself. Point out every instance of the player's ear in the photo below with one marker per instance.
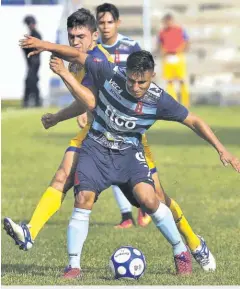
(153, 74)
(95, 36)
(119, 22)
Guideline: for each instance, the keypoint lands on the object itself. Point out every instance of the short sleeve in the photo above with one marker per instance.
(136, 47)
(160, 38)
(169, 109)
(185, 35)
(97, 72)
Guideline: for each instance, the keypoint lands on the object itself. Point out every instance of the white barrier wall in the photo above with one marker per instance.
(12, 59)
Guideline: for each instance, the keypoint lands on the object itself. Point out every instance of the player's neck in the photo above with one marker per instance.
(110, 41)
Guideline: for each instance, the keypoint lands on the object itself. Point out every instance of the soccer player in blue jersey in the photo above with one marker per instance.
(127, 103)
(120, 46)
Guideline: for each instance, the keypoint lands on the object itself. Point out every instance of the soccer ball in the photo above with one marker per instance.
(127, 263)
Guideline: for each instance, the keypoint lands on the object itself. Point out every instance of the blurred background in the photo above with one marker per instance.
(213, 59)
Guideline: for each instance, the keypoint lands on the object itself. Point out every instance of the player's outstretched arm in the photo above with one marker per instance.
(78, 91)
(201, 128)
(63, 51)
(71, 111)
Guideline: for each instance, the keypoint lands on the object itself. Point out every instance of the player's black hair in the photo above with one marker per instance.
(108, 7)
(29, 20)
(140, 61)
(82, 17)
(167, 17)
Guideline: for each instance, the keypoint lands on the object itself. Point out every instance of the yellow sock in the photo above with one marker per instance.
(185, 95)
(184, 228)
(48, 205)
(171, 90)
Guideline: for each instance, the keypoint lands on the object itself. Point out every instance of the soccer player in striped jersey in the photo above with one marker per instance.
(120, 46)
(126, 105)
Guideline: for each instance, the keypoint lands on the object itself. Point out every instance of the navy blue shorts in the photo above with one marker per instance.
(100, 167)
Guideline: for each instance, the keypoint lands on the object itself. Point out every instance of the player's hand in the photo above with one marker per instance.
(227, 158)
(82, 120)
(32, 42)
(49, 120)
(56, 65)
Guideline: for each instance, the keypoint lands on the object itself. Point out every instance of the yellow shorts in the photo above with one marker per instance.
(174, 67)
(76, 142)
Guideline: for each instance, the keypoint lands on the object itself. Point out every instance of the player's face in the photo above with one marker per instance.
(81, 38)
(107, 26)
(138, 84)
(167, 23)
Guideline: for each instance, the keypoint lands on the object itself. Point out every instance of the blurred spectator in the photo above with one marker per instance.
(31, 92)
(174, 42)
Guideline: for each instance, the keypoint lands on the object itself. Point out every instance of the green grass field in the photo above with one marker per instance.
(190, 172)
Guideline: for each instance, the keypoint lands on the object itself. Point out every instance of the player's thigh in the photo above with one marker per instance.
(64, 177)
(146, 197)
(168, 71)
(84, 200)
(161, 194)
(127, 190)
(92, 172)
(180, 69)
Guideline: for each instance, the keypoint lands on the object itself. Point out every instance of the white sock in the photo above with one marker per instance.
(122, 201)
(163, 219)
(76, 235)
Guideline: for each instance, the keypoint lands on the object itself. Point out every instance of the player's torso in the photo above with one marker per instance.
(119, 117)
(121, 49)
(172, 38)
(98, 52)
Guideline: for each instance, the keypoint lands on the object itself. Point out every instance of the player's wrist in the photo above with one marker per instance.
(58, 117)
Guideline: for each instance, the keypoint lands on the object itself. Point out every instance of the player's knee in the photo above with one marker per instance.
(61, 176)
(84, 200)
(150, 204)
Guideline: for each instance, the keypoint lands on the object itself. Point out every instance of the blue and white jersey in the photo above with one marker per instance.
(119, 118)
(121, 49)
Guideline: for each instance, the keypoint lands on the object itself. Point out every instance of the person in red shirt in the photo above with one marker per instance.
(174, 42)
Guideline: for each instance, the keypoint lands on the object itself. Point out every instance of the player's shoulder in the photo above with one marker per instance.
(120, 71)
(100, 53)
(154, 94)
(125, 40)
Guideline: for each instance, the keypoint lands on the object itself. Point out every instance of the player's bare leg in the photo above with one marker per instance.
(50, 202)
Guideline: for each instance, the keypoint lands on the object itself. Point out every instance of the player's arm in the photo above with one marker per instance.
(63, 51)
(170, 109)
(201, 128)
(79, 92)
(71, 111)
(185, 44)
